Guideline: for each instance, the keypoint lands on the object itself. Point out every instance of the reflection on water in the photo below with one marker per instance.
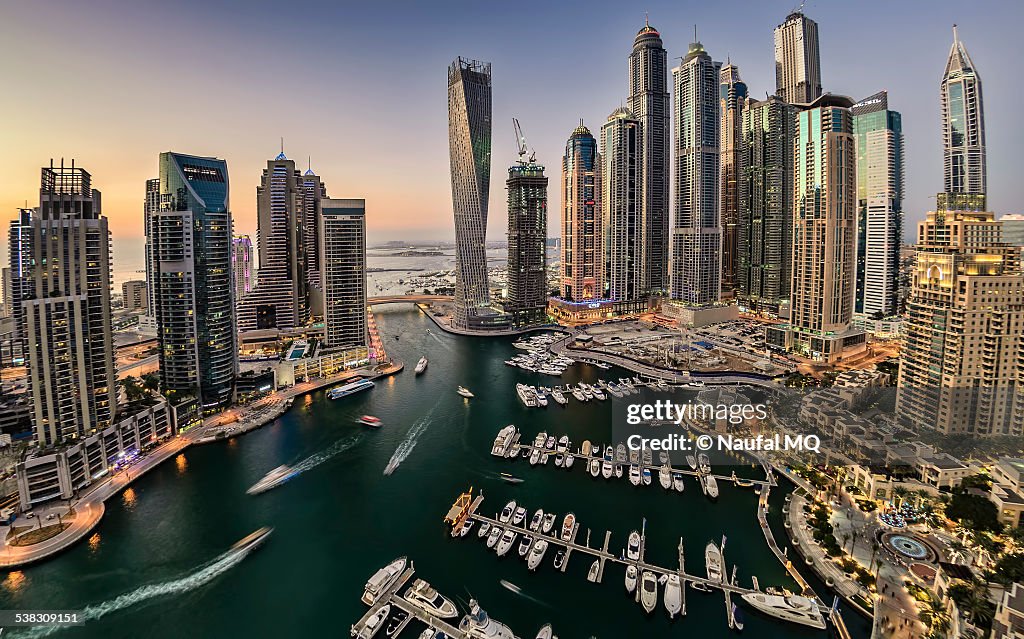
(129, 498)
(15, 581)
(94, 542)
(181, 463)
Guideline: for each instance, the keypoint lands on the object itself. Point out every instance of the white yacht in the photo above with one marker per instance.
(273, 479)
(607, 469)
(542, 401)
(711, 486)
(519, 516)
(630, 578)
(462, 390)
(633, 550)
(529, 399)
(507, 511)
(704, 463)
(545, 632)
(503, 441)
(537, 554)
(549, 523)
(477, 625)
(648, 591)
(568, 524)
(563, 443)
(382, 580)
(691, 462)
(484, 529)
(795, 608)
(426, 598)
(493, 537)
(569, 459)
(634, 475)
(524, 545)
(665, 478)
(421, 365)
(677, 482)
(374, 623)
(673, 595)
(595, 467)
(535, 522)
(713, 561)
(507, 541)
(645, 475)
(558, 396)
(595, 569)
(578, 394)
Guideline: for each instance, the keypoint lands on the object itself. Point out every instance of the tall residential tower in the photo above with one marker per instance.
(963, 124)
(622, 205)
(732, 96)
(582, 265)
(797, 60)
(342, 236)
(527, 295)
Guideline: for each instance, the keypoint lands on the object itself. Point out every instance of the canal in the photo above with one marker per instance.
(158, 564)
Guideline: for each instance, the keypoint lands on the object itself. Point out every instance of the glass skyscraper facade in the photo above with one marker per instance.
(797, 60)
(622, 156)
(582, 235)
(963, 125)
(526, 299)
(732, 95)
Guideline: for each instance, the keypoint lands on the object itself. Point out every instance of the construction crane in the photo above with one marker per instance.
(521, 145)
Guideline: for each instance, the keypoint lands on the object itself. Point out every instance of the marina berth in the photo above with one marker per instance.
(423, 596)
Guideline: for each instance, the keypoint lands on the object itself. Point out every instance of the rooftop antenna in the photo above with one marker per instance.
(955, 37)
(309, 162)
(647, 19)
(695, 34)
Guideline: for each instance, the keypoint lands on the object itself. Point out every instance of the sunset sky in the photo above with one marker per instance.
(361, 88)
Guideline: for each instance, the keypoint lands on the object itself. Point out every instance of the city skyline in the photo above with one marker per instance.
(118, 148)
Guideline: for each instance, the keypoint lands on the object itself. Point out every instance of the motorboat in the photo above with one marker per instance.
(478, 625)
(508, 539)
(620, 453)
(648, 456)
(595, 467)
(503, 441)
(569, 459)
(273, 479)
(370, 421)
(677, 482)
(559, 459)
(598, 393)
(507, 511)
(673, 595)
(646, 476)
(492, 538)
(633, 549)
(511, 479)
(609, 453)
(549, 443)
(558, 396)
(691, 461)
(711, 486)
(374, 623)
(538, 441)
(549, 522)
(421, 365)
(484, 529)
(607, 469)
(535, 457)
(704, 463)
(382, 580)
(396, 624)
(524, 545)
(545, 632)
(462, 390)
(529, 399)
(578, 394)
(559, 558)
(634, 456)
(519, 516)
(587, 391)
(795, 608)
(737, 618)
(537, 520)
(536, 554)
(634, 475)
(466, 527)
(350, 388)
(595, 450)
(568, 524)
(618, 470)
(585, 449)
(428, 633)
(665, 478)
(648, 591)
(663, 458)
(713, 561)
(423, 596)
(595, 570)
(542, 401)
(630, 578)
(563, 443)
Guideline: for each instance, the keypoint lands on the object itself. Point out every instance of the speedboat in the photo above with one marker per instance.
(549, 522)
(665, 478)
(607, 469)
(569, 459)
(595, 467)
(503, 441)
(633, 550)
(519, 516)
(466, 527)
(692, 462)
(478, 625)
(558, 396)
(648, 591)
(634, 456)
(737, 618)
(795, 608)
(578, 394)
(423, 596)
(595, 450)
(396, 624)
(462, 390)
(568, 524)
(273, 479)
(647, 456)
(507, 511)
(535, 457)
(711, 486)
(545, 632)
(549, 443)
(524, 545)
(618, 470)
(713, 561)
(646, 476)
(630, 578)
(609, 453)
(673, 596)
(677, 482)
(484, 529)
(429, 633)
(374, 623)
(371, 421)
(511, 479)
(595, 569)
(382, 580)
(421, 365)
(537, 554)
(704, 463)
(537, 520)
(634, 475)
(493, 537)
(563, 443)
(598, 393)
(559, 558)
(559, 460)
(620, 453)
(507, 540)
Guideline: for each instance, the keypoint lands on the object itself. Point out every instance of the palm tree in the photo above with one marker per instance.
(977, 605)
(900, 493)
(934, 615)
(846, 539)
(874, 553)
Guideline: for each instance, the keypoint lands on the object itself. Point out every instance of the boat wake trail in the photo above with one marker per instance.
(204, 575)
(508, 585)
(411, 438)
(334, 449)
(437, 338)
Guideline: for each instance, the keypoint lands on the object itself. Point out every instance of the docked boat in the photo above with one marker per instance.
(677, 482)
(350, 388)
(633, 549)
(704, 463)
(646, 476)
(598, 393)
(568, 524)
(507, 512)
(462, 390)
(620, 453)
(545, 632)
(535, 457)
(569, 459)
(370, 420)
(594, 571)
(630, 578)
(578, 394)
(558, 396)
(423, 596)
(691, 461)
(595, 450)
(466, 527)
(737, 618)
(607, 469)
(549, 443)
(634, 475)
(713, 561)
(397, 623)
(524, 545)
(537, 554)
(478, 625)
(711, 486)
(374, 623)
(492, 538)
(537, 520)
(529, 399)
(519, 516)
(673, 596)
(795, 608)
(508, 539)
(549, 523)
(648, 591)
(618, 470)
(663, 458)
(563, 443)
(421, 365)
(647, 456)
(542, 401)
(273, 479)
(559, 558)
(634, 456)
(484, 529)
(503, 441)
(665, 478)
(595, 467)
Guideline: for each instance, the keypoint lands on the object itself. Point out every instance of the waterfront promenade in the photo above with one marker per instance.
(88, 508)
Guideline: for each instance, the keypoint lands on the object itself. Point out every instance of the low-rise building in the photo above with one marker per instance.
(1008, 490)
(1008, 622)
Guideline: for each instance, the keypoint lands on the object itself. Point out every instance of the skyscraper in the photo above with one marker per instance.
(960, 366)
(622, 156)
(342, 236)
(242, 267)
(313, 192)
(20, 254)
(879, 139)
(280, 298)
(527, 295)
(582, 277)
(190, 239)
(649, 103)
(65, 304)
(963, 124)
(697, 232)
(797, 60)
(469, 145)
(149, 205)
(732, 96)
(824, 230)
(765, 224)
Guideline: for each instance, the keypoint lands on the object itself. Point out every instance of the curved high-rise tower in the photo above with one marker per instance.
(469, 146)
(649, 103)
(582, 266)
(963, 124)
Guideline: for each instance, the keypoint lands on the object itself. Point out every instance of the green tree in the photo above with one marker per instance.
(973, 512)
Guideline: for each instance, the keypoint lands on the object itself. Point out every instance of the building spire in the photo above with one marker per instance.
(955, 37)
